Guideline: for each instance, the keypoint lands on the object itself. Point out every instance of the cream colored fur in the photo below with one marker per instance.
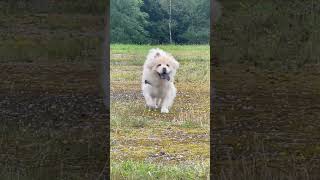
(158, 92)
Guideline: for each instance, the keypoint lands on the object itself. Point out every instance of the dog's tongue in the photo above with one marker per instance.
(165, 76)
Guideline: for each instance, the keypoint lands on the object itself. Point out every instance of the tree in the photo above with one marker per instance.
(160, 21)
(157, 18)
(199, 28)
(170, 18)
(127, 22)
(189, 21)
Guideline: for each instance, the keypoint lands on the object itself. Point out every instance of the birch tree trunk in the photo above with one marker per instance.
(170, 36)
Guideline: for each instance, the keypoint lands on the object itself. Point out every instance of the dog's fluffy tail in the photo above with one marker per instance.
(156, 52)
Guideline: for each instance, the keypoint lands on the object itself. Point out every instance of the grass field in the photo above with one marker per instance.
(150, 145)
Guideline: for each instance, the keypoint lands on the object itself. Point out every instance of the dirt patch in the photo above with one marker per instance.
(125, 95)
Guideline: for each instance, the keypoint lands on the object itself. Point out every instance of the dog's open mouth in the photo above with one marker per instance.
(164, 76)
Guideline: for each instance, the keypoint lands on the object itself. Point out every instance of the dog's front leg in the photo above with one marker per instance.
(166, 104)
(150, 102)
(168, 101)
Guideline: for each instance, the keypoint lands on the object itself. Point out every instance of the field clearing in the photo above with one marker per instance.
(170, 145)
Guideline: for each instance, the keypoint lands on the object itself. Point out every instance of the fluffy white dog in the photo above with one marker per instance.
(157, 80)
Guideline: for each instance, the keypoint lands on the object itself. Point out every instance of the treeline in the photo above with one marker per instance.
(160, 21)
(134, 21)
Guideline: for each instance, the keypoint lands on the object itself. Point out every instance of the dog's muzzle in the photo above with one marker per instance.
(164, 75)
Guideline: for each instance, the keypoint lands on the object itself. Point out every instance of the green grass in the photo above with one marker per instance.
(135, 54)
(150, 145)
(140, 170)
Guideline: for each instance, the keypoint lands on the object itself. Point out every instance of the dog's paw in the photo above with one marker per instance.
(151, 107)
(164, 110)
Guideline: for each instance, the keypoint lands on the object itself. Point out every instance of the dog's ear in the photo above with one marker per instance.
(175, 63)
(156, 55)
(150, 65)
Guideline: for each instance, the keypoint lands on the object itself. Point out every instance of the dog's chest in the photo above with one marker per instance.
(160, 91)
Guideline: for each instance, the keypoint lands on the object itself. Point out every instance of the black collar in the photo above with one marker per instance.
(147, 82)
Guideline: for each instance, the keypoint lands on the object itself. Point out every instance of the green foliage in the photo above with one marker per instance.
(158, 21)
(148, 21)
(198, 31)
(127, 22)
(200, 36)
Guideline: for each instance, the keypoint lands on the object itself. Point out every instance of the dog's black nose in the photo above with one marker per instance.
(164, 70)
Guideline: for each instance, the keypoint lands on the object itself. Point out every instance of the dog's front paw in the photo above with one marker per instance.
(164, 110)
(151, 107)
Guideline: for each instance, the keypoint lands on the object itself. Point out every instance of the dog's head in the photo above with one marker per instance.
(164, 65)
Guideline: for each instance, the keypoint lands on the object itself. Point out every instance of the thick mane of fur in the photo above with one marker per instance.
(155, 53)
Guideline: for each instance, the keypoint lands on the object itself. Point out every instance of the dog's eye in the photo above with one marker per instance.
(168, 65)
(159, 65)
